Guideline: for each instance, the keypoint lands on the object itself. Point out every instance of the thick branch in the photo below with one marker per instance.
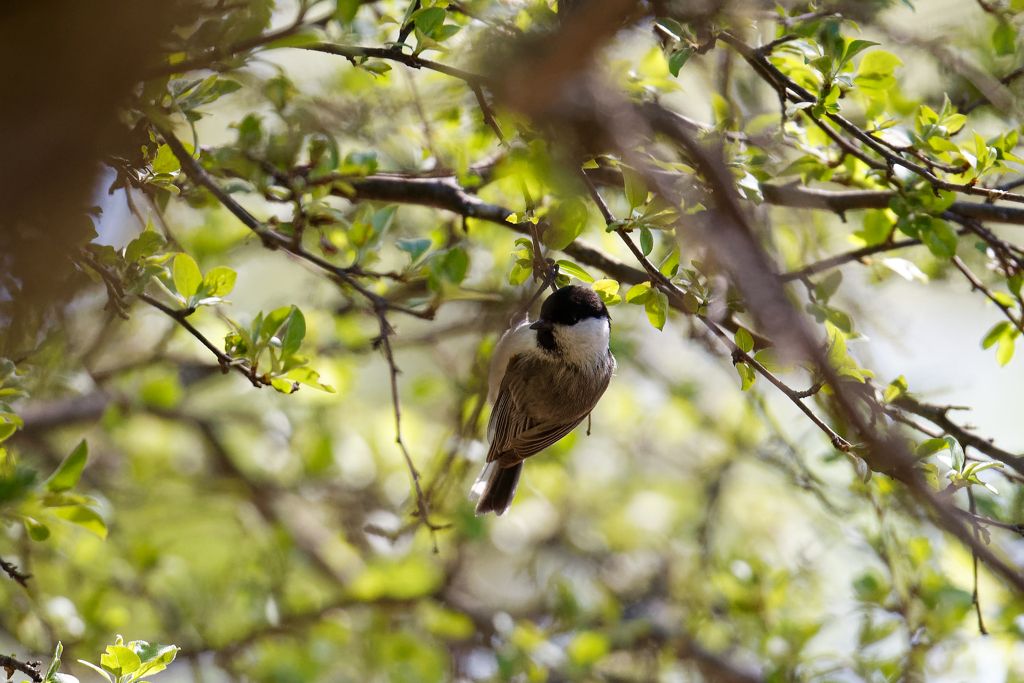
(840, 202)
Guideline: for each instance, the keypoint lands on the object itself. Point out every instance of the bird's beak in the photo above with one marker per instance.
(541, 325)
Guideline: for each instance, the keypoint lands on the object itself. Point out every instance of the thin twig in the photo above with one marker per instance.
(846, 257)
(974, 557)
(226, 362)
(13, 572)
(980, 286)
(384, 341)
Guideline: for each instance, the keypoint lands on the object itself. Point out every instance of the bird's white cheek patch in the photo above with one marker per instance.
(586, 342)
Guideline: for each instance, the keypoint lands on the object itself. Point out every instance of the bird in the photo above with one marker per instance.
(545, 378)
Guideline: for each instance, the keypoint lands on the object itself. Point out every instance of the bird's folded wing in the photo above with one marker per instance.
(536, 439)
(507, 419)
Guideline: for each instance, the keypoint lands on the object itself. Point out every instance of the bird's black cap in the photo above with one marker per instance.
(571, 304)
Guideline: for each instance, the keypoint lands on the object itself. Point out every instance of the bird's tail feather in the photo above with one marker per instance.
(496, 487)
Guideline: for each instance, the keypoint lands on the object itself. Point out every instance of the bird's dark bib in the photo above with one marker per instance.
(546, 340)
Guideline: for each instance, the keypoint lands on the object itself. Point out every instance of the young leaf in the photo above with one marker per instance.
(636, 187)
(187, 276)
(415, 248)
(570, 268)
(657, 308)
(87, 518)
(7, 430)
(646, 240)
(97, 670)
(957, 452)
(37, 531)
(146, 244)
(309, 377)
(70, 470)
(429, 19)
(219, 282)
(744, 340)
(120, 660)
(638, 294)
(294, 333)
(567, 221)
(608, 291)
(678, 60)
(747, 375)
(896, 389)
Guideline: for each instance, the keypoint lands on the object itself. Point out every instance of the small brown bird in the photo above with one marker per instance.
(545, 378)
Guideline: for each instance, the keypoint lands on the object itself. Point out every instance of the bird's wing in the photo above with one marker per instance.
(511, 430)
(507, 419)
(537, 438)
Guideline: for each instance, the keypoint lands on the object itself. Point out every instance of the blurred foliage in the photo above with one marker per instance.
(349, 175)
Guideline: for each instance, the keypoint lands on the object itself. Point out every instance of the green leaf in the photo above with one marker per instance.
(837, 349)
(165, 161)
(345, 10)
(824, 290)
(567, 221)
(678, 60)
(957, 452)
(70, 470)
(636, 187)
(1004, 38)
(670, 266)
(929, 447)
(747, 375)
(1005, 351)
(415, 248)
(154, 653)
(940, 238)
(570, 268)
(87, 518)
(97, 670)
(429, 19)
(995, 334)
(639, 294)
(7, 430)
(657, 308)
(218, 282)
(454, 265)
(120, 660)
(769, 359)
(37, 531)
(519, 274)
(146, 244)
(309, 377)
(608, 291)
(187, 276)
(294, 333)
(54, 663)
(876, 69)
(284, 386)
(646, 240)
(856, 47)
(744, 340)
(896, 389)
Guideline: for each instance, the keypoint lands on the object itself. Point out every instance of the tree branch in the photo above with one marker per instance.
(30, 669)
(226, 361)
